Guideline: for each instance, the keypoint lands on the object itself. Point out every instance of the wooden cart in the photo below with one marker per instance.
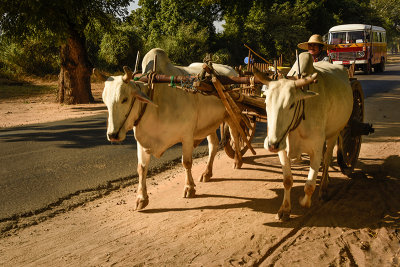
(246, 109)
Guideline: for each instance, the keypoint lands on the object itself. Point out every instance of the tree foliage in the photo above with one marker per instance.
(176, 26)
(184, 28)
(189, 44)
(119, 48)
(66, 21)
(32, 56)
(21, 18)
(389, 13)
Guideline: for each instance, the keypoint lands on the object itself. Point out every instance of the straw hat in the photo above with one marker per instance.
(314, 39)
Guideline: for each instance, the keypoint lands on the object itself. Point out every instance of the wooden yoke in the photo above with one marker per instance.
(232, 109)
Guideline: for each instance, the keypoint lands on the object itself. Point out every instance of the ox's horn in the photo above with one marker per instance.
(263, 77)
(305, 81)
(99, 75)
(128, 74)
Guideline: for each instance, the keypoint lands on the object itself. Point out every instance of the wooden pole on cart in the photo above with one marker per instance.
(137, 63)
(240, 116)
(298, 65)
(266, 61)
(219, 87)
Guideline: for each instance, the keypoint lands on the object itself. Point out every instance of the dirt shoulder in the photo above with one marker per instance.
(43, 108)
(232, 219)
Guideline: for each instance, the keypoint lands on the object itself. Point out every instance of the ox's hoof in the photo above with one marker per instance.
(141, 203)
(205, 177)
(189, 192)
(237, 165)
(305, 202)
(283, 215)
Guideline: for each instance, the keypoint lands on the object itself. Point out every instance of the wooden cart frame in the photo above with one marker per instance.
(245, 110)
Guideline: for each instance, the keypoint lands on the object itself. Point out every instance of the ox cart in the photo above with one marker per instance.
(246, 108)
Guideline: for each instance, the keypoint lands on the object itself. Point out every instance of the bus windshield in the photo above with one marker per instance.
(347, 37)
(355, 37)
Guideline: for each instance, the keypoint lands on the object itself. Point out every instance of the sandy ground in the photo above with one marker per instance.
(43, 108)
(232, 219)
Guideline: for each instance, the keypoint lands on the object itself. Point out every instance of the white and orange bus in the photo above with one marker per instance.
(363, 44)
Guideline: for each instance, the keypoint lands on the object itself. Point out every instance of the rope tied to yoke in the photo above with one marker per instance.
(141, 76)
(298, 116)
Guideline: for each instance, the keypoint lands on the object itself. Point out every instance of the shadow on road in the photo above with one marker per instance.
(77, 133)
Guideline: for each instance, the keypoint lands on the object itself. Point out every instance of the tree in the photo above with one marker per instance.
(120, 47)
(67, 21)
(388, 11)
(31, 56)
(275, 27)
(176, 26)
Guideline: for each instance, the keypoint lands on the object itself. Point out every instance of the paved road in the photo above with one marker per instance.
(45, 162)
(380, 82)
(42, 163)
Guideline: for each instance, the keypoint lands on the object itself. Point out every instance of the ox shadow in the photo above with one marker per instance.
(378, 168)
(366, 200)
(263, 205)
(369, 199)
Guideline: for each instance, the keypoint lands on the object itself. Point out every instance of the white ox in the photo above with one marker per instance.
(327, 108)
(173, 116)
(164, 66)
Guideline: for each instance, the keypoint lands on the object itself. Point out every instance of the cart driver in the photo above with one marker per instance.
(316, 47)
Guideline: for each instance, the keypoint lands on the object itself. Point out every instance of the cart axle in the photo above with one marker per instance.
(361, 128)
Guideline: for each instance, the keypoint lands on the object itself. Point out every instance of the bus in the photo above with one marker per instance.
(364, 45)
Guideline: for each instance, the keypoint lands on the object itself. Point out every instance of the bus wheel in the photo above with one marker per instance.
(382, 65)
(377, 68)
(367, 68)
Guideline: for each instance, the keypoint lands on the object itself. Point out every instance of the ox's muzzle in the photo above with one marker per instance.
(114, 138)
(272, 147)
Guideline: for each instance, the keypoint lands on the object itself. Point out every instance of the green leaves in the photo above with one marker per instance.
(22, 18)
(184, 28)
(119, 48)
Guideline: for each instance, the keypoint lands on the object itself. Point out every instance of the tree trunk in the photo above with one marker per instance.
(74, 78)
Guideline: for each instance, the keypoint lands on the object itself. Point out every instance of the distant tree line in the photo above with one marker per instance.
(71, 37)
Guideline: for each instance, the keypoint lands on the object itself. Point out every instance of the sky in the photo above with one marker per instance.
(133, 5)
(218, 24)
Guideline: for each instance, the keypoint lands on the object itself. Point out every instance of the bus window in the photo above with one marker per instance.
(356, 37)
(375, 37)
(338, 38)
(367, 37)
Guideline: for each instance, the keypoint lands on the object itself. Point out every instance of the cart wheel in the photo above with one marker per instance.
(230, 144)
(349, 145)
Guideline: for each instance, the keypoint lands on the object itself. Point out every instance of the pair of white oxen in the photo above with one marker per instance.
(299, 121)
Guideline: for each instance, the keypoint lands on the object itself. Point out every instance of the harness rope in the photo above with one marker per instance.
(143, 109)
(298, 116)
(127, 115)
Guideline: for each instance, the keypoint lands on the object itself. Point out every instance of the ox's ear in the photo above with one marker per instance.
(142, 97)
(300, 94)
